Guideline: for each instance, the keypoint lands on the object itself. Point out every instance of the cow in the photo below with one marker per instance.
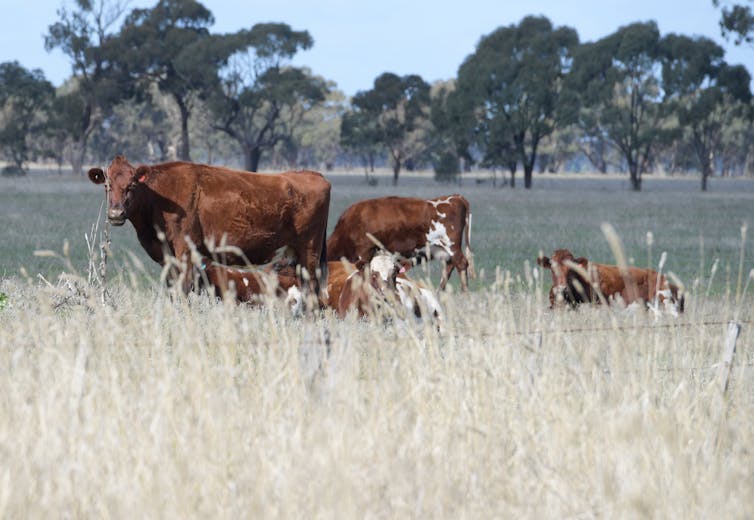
(411, 227)
(577, 280)
(176, 206)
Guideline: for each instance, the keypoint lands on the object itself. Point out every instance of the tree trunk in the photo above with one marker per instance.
(512, 169)
(396, 172)
(183, 147)
(77, 156)
(251, 157)
(635, 177)
(528, 169)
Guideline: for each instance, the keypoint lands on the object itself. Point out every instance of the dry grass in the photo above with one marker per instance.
(156, 407)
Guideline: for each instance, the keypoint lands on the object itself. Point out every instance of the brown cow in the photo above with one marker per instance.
(270, 218)
(410, 227)
(577, 280)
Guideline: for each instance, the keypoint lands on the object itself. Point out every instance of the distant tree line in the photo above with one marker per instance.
(157, 84)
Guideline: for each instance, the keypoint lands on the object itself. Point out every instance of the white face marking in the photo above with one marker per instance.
(439, 241)
(384, 264)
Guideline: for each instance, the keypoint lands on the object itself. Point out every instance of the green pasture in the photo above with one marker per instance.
(509, 226)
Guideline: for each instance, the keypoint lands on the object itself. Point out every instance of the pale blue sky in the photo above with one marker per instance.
(355, 41)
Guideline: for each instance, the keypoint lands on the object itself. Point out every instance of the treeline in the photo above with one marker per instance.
(157, 84)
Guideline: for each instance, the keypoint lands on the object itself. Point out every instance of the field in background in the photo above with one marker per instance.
(509, 227)
(149, 406)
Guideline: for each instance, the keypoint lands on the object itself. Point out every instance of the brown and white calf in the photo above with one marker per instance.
(411, 227)
(577, 280)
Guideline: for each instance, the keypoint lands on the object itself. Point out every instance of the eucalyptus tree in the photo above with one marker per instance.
(514, 79)
(706, 93)
(24, 97)
(170, 45)
(396, 112)
(615, 86)
(96, 85)
(736, 19)
(261, 99)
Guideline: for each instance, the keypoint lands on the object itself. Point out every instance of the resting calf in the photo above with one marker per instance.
(576, 280)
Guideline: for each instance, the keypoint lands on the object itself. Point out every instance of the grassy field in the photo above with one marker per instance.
(510, 227)
(152, 406)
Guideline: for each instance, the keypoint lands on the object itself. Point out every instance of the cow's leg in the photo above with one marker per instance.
(446, 274)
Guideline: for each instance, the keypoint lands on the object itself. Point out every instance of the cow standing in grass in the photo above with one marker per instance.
(577, 280)
(175, 206)
(411, 227)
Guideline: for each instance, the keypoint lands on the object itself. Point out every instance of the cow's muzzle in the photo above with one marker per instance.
(116, 217)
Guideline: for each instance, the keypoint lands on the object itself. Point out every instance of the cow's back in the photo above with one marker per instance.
(399, 223)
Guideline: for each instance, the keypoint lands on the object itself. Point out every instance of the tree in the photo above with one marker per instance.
(514, 79)
(397, 109)
(452, 131)
(24, 96)
(736, 20)
(705, 92)
(358, 135)
(96, 86)
(615, 82)
(261, 98)
(318, 135)
(170, 45)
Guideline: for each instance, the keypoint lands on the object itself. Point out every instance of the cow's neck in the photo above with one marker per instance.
(143, 220)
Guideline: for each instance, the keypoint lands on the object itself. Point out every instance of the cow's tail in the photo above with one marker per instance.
(467, 236)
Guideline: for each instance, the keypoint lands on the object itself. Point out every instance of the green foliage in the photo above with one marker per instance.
(705, 93)
(447, 166)
(24, 96)
(736, 20)
(261, 99)
(615, 84)
(395, 115)
(3, 300)
(513, 82)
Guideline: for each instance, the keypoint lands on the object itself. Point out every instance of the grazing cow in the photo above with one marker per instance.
(576, 280)
(413, 228)
(278, 218)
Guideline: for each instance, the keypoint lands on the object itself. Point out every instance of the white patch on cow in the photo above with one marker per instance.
(436, 203)
(294, 299)
(438, 241)
(384, 264)
(668, 305)
(410, 293)
(245, 281)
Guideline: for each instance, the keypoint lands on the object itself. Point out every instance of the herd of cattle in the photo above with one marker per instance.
(213, 220)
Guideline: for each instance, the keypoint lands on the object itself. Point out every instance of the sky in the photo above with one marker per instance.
(357, 40)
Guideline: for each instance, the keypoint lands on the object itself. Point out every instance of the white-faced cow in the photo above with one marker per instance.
(281, 217)
(577, 280)
(411, 227)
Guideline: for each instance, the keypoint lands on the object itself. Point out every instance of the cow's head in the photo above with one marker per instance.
(568, 284)
(120, 180)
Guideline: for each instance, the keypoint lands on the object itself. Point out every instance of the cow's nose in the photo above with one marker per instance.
(116, 214)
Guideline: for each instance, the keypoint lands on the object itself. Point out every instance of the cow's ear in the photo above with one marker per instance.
(583, 262)
(360, 264)
(544, 262)
(96, 175)
(140, 175)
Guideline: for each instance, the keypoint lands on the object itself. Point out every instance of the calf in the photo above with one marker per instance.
(251, 285)
(576, 280)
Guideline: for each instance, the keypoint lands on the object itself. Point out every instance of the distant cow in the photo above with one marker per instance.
(278, 218)
(410, 227)
(576, 280)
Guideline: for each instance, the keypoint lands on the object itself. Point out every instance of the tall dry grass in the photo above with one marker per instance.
(143, 405)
